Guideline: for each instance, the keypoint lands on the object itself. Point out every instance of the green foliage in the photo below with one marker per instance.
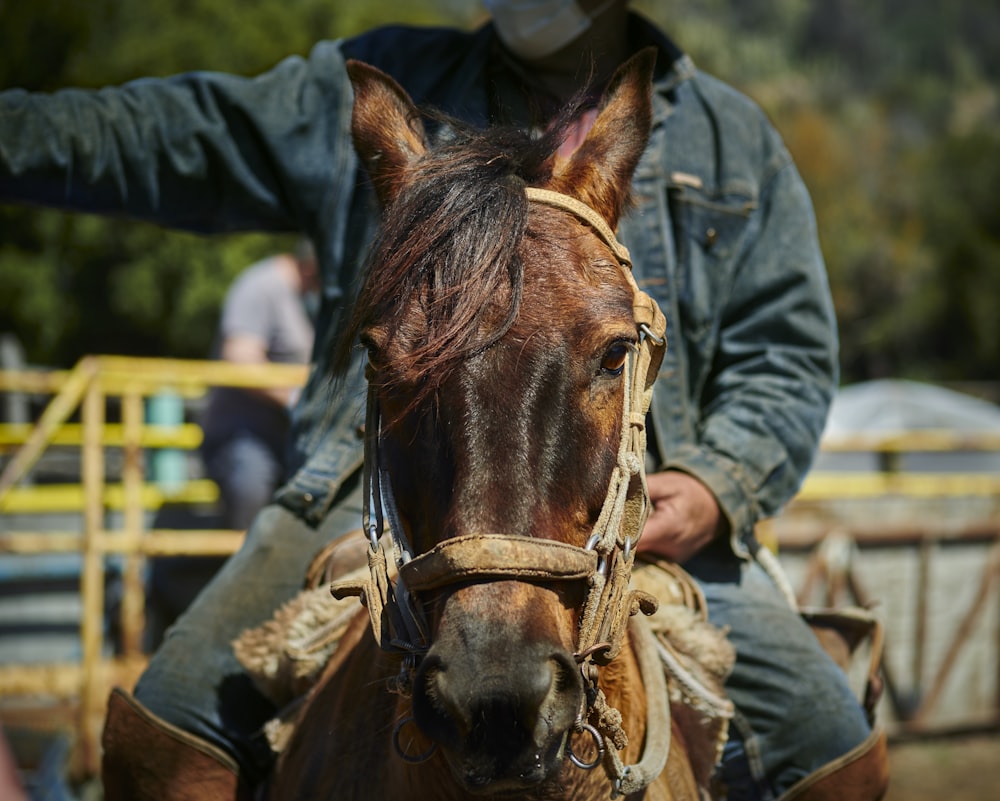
(77, 284)
(890, 109)
(38, 39)
(962, 214)
(30, 302)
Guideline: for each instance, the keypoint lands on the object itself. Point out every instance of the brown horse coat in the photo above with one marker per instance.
(499, 333)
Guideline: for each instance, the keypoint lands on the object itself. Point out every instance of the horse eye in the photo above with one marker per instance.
(367, 342)
(613, 362)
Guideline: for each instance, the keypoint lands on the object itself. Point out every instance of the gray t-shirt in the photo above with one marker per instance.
(263, 304)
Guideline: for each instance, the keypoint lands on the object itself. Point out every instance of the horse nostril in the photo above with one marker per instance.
(434, 710)
(474, 706)
(567, 674)
(561, 704)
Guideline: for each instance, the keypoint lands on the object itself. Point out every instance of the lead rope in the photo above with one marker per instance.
(628, 779)
(769, 562)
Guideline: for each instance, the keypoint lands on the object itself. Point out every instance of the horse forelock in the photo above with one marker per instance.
(444, 280)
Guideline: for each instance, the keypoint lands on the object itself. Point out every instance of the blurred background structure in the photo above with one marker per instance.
(892, 113)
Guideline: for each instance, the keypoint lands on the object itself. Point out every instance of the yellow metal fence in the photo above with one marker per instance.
(86, 390)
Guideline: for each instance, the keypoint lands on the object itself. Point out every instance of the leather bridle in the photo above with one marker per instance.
(604, 563)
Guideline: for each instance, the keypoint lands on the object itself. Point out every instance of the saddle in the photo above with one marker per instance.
(286, 655)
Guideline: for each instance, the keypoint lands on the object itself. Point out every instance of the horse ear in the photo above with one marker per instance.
(600, 171)
(386, 126)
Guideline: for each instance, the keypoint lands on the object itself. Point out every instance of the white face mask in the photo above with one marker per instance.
(537, 28)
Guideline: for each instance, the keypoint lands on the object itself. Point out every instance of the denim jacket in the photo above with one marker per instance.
(722, 235)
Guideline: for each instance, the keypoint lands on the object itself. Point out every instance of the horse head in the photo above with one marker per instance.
(501, 324)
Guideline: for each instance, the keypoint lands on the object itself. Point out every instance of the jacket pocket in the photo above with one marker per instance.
(709, 235)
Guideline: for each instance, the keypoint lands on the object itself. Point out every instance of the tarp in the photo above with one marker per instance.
(894, 406)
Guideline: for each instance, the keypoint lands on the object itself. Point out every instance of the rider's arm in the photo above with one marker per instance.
(199, 151)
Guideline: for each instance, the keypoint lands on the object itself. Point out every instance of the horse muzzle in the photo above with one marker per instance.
(498, 701)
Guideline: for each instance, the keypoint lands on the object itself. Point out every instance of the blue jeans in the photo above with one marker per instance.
(795, 711)
(193, 680)
(248, 470)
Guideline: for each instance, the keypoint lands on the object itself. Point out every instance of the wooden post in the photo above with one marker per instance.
(991, 571)
(926, 548)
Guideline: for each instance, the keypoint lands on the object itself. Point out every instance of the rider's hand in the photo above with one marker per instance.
(684, 516)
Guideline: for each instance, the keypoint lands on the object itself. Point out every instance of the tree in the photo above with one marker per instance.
(962, 212)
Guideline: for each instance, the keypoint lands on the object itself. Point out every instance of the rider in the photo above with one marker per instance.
(722, 235)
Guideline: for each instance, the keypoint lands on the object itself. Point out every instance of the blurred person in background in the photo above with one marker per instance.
(266, 318)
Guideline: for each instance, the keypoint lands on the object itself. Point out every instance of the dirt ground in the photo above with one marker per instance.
(953, 769)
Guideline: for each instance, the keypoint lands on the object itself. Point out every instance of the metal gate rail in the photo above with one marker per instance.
(88, 387)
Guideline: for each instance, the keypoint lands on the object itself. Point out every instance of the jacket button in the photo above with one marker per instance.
(711, 237)
(307, 497)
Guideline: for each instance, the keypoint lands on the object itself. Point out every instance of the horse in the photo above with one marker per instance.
(498, 651)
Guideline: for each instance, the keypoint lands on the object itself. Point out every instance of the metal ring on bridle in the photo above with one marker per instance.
(598, 741)
(602, 562)
(413, 760)
(646, 331)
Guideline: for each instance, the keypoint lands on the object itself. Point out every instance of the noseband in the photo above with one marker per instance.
(604, 563)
